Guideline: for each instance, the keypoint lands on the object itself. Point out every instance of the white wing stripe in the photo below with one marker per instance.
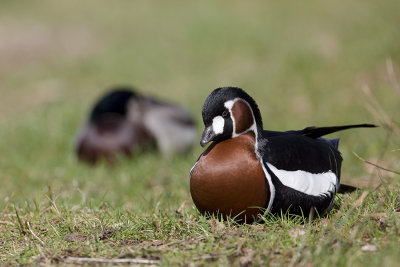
(271, 189)
(308, 183)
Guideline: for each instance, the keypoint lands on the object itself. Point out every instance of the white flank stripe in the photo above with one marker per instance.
(308, 183)
(271, 189)
(218, 125)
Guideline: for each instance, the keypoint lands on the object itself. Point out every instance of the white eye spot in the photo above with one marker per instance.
(229, 104)
(218, 125)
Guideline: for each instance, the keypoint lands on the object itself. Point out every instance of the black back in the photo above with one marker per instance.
(292, 152)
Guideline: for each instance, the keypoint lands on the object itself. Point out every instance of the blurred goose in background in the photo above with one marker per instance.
(123, 122)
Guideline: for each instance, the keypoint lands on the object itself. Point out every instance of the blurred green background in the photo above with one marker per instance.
(303, 62)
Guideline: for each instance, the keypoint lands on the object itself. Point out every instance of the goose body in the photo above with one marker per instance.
(248, 171)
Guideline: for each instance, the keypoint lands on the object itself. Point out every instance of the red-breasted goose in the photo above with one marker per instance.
(123, 122)
(248, 171)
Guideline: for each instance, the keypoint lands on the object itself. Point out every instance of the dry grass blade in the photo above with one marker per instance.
(6, 222)
(382, 215)
(34, 235)
(375, 108)
(52, 201)
(378, 112)
(360, 200)
(181, 207)
(375, 165)
(112, 261)
(392, 75)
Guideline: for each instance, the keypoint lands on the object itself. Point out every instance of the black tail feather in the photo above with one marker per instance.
(345, 189)
(315, 132)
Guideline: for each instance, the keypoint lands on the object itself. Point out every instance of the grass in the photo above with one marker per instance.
(305, 64)
(365, 233)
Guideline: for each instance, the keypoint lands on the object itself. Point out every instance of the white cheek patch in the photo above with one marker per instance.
(308, 183)
(218, 125)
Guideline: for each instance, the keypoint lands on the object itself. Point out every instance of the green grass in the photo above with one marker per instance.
(304, 63)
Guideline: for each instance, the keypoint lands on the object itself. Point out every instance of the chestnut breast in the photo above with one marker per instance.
(228, 179)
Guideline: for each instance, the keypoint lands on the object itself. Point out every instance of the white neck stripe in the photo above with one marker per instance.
(229, 104)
